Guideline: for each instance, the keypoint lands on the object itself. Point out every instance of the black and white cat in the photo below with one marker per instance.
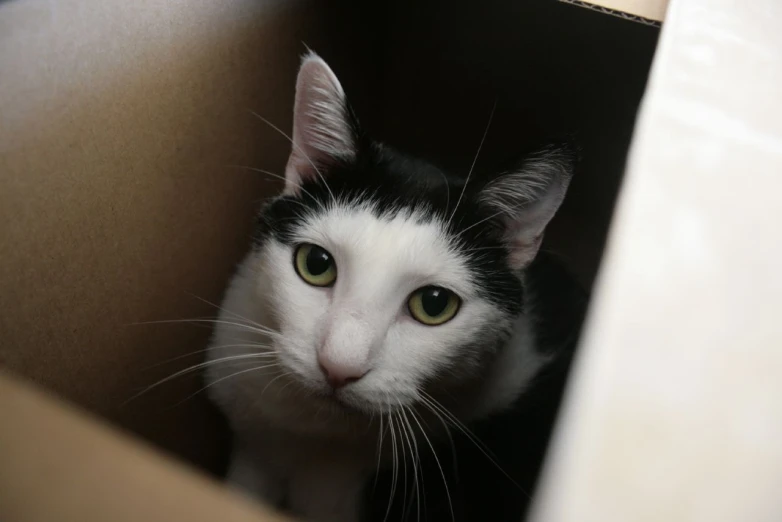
(386, 312)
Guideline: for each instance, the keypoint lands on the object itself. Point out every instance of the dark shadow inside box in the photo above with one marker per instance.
(551, 70)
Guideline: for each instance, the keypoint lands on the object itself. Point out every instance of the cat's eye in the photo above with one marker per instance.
(433, 305)
(315, 265)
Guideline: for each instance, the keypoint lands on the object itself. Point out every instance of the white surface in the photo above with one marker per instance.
(675, 411)
(649, 9)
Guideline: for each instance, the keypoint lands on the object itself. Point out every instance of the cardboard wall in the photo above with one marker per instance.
(60, 464)
(119, 122)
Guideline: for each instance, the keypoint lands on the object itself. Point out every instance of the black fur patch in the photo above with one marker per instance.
(478, 489)
(394, 182)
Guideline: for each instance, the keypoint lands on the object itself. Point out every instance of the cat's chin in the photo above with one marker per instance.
(363, 407)
(345, 402)
(349, 403)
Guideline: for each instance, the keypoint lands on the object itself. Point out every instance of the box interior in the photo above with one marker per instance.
(124, 129)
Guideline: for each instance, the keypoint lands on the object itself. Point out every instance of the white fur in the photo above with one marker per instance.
(295, 440)
(321, 130)
(283, 412)
(527, 200)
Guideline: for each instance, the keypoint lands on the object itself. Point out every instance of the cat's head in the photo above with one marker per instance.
(388, 277)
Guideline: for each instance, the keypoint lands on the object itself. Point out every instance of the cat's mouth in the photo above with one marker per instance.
(346, 401)
(354, 404)
(342, 399)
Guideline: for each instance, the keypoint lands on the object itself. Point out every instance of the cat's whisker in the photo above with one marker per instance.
(300, 150)
(474, 161)
(452, 445)
(381, 433)
(478, 249)
(220, 308)
(254, 324)
(449, 435)
(415, 458)
(221, 379)
(404, 438)
(241, 326)
(558, 255)
(317, 413)
(437, 461)
(394, 465)
(299, 391)
(279, 392)
(426, 398)
(481, 222)
(447, 193)
(272, 381)
(407, 434)
(221, 347)
(236, 315)
(277, 176)
(471, 437)
(197, 367)
(267, 347)
(423, 483)
(368, 424)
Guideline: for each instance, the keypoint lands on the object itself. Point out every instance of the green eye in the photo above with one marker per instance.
(433, 305)
(315, 265)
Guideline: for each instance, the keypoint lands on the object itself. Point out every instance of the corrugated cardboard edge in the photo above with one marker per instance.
(650, 13)
(58, 463)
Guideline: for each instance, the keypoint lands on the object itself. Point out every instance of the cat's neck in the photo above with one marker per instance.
(509, 374)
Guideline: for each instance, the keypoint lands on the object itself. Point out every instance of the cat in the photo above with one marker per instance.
(386, 312)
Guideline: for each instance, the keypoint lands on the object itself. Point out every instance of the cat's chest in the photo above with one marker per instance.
(285, 451)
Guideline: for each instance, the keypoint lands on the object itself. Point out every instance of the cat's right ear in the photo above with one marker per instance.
(526, 197)
(324, 131)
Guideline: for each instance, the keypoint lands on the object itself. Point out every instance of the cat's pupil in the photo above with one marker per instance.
(318, 261)
(434, 301)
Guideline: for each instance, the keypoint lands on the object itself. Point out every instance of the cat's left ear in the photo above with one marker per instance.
(526, 197)
(324, 131)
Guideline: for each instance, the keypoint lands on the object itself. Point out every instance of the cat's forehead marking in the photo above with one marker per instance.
(408, 243)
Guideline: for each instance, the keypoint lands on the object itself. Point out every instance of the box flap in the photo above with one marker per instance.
(650, 12)
(673, 408)
(59, 464)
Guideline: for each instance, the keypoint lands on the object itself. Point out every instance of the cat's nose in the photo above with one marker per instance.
(339, 375)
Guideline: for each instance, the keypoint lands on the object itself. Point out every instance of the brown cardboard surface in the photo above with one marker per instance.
(119, 124)
(57, 464)
(118, 203)
(116, 196)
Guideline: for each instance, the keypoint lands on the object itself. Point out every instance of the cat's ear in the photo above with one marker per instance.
(324, 131)
(526, 197)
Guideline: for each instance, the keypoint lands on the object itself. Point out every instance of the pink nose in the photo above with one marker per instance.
(339, 375)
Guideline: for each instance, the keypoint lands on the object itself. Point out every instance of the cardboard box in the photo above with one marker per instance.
(650, 12)
(119, 123)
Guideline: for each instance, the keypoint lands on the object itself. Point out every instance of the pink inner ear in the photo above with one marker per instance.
(522, 250)
(528, 199)
(321, 128)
